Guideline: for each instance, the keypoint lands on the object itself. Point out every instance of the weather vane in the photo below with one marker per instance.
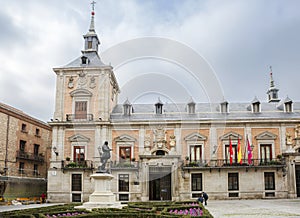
(93, 5)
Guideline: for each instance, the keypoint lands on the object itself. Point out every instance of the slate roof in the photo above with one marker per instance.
(94, 61)
(206, 111)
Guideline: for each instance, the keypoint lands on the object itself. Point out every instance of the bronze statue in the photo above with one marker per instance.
(104, 156)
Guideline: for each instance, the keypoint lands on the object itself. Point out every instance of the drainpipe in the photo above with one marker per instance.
(6, 146)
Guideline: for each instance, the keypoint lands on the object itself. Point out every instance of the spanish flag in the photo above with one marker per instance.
(239, 152)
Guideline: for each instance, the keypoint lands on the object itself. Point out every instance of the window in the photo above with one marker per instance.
(21, 167)
(37, 132)
(269, 181)
(191, 108)
(23, 128)
(256, 107)
(84, 60)
(76, 182)
(288, 106)
(123, 197)
(125, 153)
(76, 197)
(158, 109)
(197, 182)
(36, 149)
(80, 109)
(79, 153)
(89, 44)
(35, 170)
(195, 153)
(266, 152)
(234, 153)
(22, 146)
(233, 181)
(123, 182)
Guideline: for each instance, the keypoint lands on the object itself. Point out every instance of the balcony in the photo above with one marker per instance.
(79, 117)
(22, 155)
(124, 165)
(224, 163)
(77, 165)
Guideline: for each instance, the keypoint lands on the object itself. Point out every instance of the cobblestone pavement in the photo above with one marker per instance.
(274, 208)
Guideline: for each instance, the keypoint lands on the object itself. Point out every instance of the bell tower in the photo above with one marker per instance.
(273, 91)
(86, 88)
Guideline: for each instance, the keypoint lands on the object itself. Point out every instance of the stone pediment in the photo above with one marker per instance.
(125, 138)
(81, 93)
(195, 137)
(79, 138)
(231, 135)
(266, 136)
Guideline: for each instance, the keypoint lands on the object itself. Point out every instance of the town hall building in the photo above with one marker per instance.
(168, 151)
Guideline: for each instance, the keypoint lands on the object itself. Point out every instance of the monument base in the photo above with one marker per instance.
(102, 197)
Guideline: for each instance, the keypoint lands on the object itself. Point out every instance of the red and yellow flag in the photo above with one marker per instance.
(239, 152)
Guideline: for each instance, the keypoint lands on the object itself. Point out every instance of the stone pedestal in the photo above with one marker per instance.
(102, 197)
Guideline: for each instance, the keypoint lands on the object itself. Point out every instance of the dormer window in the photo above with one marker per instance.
(84, 60)
(255, 105)
(127, 108)
(224, 107)
(158, 107)
(191, 106)
(288, 105)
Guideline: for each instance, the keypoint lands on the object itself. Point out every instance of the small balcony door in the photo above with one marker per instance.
(79, 153)
(81, 110)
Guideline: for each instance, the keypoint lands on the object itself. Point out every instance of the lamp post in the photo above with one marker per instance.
(55, 150)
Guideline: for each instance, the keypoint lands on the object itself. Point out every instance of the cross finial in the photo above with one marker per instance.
(270, 69)
(93, 5)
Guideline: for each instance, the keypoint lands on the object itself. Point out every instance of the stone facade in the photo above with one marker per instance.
(24, 153)
(167, 154)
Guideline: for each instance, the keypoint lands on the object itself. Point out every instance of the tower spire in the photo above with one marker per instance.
(92, 25)
(91, 38)
(273, 91)
(271, 78)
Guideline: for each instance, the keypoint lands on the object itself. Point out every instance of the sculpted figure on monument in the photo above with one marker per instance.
(104, 156)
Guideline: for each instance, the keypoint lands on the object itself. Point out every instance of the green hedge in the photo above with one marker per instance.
(132, 210)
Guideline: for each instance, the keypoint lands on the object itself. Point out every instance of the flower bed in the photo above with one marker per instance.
(133, 210)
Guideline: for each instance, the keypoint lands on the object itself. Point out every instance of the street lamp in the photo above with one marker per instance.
(55, 150)
(252, 147)
(215, 149)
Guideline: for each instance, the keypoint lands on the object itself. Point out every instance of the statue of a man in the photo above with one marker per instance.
(104, 157)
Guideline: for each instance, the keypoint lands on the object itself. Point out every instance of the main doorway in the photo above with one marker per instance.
(298, 180)
(159, 183)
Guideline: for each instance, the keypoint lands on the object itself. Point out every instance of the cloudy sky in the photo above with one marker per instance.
(239, 39)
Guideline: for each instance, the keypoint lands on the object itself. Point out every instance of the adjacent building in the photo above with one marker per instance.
(25, 143)
(168, 151)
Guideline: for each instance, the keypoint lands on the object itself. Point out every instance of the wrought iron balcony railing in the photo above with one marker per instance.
(84, 165)
(30, 156)
(226, 163)
(79, 117)
(124, 165)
